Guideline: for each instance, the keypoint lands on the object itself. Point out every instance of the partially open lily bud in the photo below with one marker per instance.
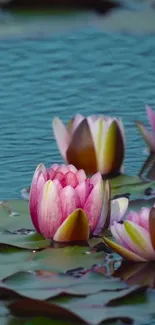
(67, 206)
(95, 143)
(135, 238)
(148, 136)
(148, 166)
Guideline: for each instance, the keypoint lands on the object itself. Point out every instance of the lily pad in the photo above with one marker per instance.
(62, 260)
(16, 228)
(33, 241)
(73, 260)
(133, 186)
(31, 285)
(14, 260)
(69, 308)
(14, 215)
(93, 311)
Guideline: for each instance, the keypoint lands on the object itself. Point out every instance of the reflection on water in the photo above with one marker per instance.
(84, 70)
(137, 273)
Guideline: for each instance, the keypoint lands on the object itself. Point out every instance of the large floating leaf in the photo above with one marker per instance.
(92, 311)
(132, 186)
(34, 241)
(76, 259)
(44, 287)
(14, 215)
(68, 258)
(14, 260)
(16, 228)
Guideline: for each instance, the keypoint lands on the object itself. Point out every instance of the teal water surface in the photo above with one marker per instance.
(85, 70)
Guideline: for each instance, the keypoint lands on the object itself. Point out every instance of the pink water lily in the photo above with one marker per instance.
(148, 136)
(95, 143)
(65, 205)
(135, 238)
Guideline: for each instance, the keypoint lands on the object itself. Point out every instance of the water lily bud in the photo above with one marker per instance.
(66, 206)
(95, 143)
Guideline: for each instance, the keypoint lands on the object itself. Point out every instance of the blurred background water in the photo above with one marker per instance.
(85, 69)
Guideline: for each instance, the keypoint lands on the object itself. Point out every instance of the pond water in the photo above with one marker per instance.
(87, 70)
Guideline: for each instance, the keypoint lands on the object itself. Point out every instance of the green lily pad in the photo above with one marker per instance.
(31, 241)
(14, 260)
(14, 215)
(130, 304)
(16, 228)
(90, 310)
(30, 285)
(94, 309)
(134, 186)
(62, 260)
(49, 260)
(136, 205)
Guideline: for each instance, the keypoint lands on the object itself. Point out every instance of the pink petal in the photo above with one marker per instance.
(63, 169)
(83, 189)
(70, 179)
(93, 205)
(118, 209)
(125, 253)
(72, 168)
(95, 179)
(49, 210)
(148, 136)
(93, 118)
(55, 166)
(151, 116)
(69, 201)
(124, 237)
(141, 239)
(51, 173)
(131, 244)
(59, 176)
(141, 219)
(62, 136)
(58, 185)
(133, 216)
(144, 218)
(38, 181)
(76, 121)
(81, 176)
(116, 235)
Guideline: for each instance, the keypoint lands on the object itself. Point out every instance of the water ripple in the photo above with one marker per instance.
(88, 71)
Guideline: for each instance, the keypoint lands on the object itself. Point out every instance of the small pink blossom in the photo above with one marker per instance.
(61, 195)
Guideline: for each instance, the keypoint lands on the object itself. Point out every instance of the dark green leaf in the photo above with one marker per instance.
(92, 312)
(32, 241)
(16, 228)
(131, 185)
(44, 287)
(61, 260)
